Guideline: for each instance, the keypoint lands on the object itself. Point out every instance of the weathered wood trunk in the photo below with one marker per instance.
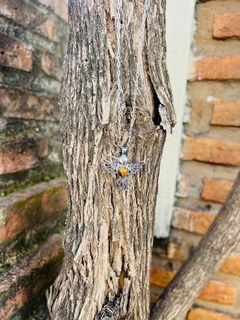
(204, 262)
(109, 231)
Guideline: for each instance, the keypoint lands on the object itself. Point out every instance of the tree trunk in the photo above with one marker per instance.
(204, 261)
(109, 232)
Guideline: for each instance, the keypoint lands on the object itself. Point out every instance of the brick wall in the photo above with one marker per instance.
(33, 35)
(33, 195)
(210, 158)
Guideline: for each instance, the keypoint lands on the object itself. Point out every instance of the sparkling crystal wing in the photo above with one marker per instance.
(111, 167)
(135, 167)
(123, 183)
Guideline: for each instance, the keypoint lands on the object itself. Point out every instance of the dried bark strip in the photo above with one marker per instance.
(109, 232)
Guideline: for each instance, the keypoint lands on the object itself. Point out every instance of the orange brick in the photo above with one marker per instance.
(226, 26)
(15, 54)
(211, 150)
(179, 249)
(192, 220)
(21, 104)
(161, 277)
(51, 65)
(49, 29)
(214, 291)
(217, 68)
(203, 314)
(13, 304)
(30, 277)
(231, 265)
(59, 6)
(23, 210)
(183, 186)
(226, 113)
(219, 292)
(22, 154)
(216, 190)
(29, 17)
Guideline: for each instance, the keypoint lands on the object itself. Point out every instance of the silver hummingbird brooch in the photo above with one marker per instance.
(122, 168)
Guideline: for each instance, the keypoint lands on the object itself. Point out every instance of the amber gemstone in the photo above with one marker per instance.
(122, 171)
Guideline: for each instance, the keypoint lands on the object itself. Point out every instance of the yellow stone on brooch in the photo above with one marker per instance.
(122, 171)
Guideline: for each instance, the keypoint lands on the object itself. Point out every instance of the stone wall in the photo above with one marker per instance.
(33, 36)
(210, 158)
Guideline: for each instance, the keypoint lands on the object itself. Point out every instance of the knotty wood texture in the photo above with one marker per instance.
(109, 232)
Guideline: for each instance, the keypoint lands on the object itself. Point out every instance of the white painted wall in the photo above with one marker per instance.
(180, 27)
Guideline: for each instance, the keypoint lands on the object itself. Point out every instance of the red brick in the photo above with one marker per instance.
(51, 65)
(211, 150)
(16, 302)
(15, 54)
(203, 314)
(19, 286)
(50, 28)
(22, 210)
(226, 26)
(59, 6)
(226, 113)
(160, 276)
(21, 104)
(29, 17)
(218, 292)
(231, 265)
(192, 220)
(214, 291)
(216, 190)
(22, 154)
(217, 68)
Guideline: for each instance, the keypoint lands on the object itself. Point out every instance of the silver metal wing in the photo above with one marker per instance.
(111, 167)
(135, 167)
(123, 183)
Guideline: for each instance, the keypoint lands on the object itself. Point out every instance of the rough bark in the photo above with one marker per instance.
(204, 261)
(109, 232)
